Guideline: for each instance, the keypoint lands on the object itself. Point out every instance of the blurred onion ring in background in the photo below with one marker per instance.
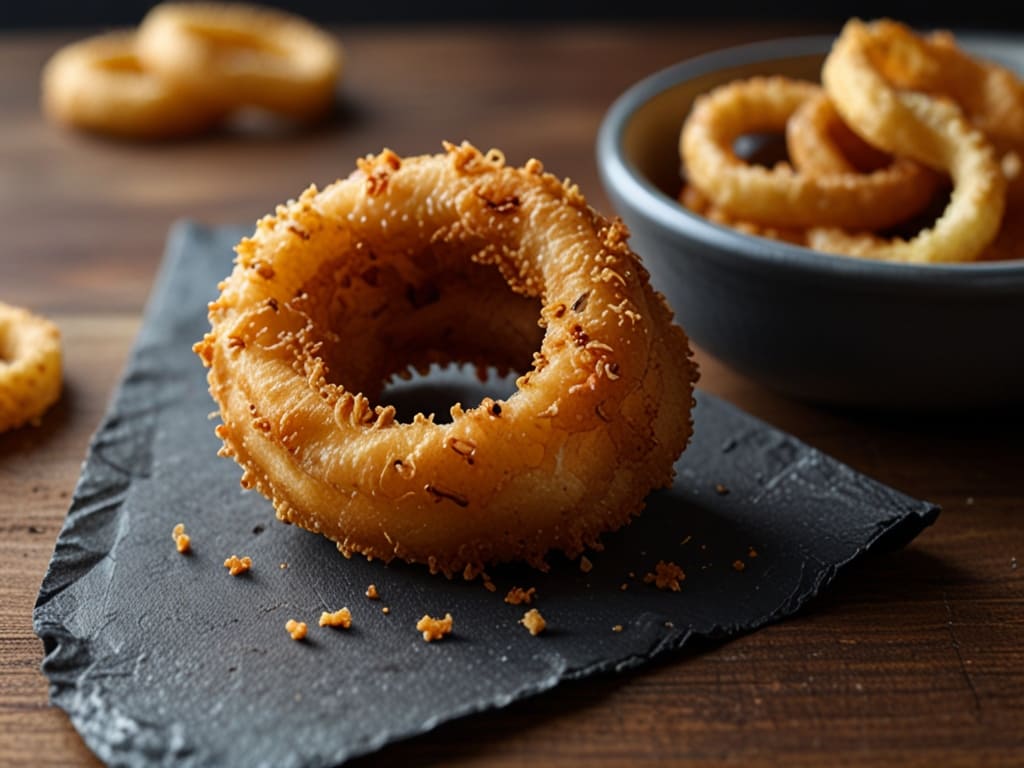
(241, 55)
(438, 259)
(780, 196)
(932, 131)
(30, 366)
(99, 84)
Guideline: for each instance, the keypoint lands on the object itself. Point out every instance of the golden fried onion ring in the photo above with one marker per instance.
(100, 85)
(819, 143)
(30, 366)
(243, 55)
(693, 199)
(991, 96)
(435, 259)
(779, 196)
(933, 132)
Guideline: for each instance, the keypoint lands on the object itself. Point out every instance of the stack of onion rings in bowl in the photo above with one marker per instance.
(435, 259)
(933, 112)
(190, 67)
(896, 326)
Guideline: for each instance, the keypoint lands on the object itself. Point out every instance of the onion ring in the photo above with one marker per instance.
(100, 85)
(820, 143)
(243, 55)
(991, 96)
(30, 366)
(455, 257)
(935, 133)
(779, 196)
(693, 199)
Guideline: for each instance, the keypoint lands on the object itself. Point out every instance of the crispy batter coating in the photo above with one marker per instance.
(31, 377)
(238, 565)
(454, 257)
(242, 54)
(434, 629)
(781, 196)
(99, 84)
(340, 618)
(935, 132)
(182, 541)
(534, 622)
(666, 575)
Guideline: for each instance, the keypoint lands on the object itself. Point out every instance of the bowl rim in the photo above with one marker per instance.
(625, 180)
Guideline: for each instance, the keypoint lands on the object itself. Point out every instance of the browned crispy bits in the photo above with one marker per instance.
(666, 576)
(434, 629)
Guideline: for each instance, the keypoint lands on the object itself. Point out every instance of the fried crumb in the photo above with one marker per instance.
(738, 565)
(371, 592)
(182, 541)
(385, 610)
(297, 629)
(238, 565)
(617, 628)
(666, 576)
(686, 540)
(720, 489)
(283, 566)
(669, 625)
(434, 629)
(624, 586)
(533, 621)
(340, 618)
(489, 586)
(751, 552)
(519, 596)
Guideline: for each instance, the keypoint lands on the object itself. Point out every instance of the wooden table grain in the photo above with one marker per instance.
(914, 658)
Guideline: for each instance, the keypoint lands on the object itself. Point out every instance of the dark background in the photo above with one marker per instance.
(26, 14)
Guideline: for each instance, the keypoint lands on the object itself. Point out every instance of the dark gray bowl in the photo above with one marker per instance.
(815, 326)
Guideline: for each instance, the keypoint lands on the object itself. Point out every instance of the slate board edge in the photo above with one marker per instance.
(60, 644)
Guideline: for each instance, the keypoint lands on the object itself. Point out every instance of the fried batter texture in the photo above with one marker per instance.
(454, 257)
(909, 150)
(30, 366)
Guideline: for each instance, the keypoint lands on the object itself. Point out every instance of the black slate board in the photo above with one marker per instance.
(161, 658)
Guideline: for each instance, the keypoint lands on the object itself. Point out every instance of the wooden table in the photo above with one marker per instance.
(916, 658)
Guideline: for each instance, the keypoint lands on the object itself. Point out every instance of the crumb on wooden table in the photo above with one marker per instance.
(182, 541)
(520, 596)
(434, 629)
(666, 576)
(533, 622)
(238, 565)
(339, 618)
(371, 592)
(297, 629)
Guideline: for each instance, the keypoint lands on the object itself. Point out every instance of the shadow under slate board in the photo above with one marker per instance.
(161, 658)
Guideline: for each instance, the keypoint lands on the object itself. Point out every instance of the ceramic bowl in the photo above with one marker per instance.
(814, 326)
